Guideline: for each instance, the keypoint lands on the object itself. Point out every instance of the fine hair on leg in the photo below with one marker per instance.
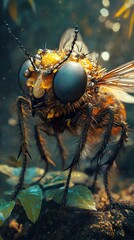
(109, 163)
(21, 113)
(44, 153)
(57, 136)
(100, 119)
(75, 161)
(61, 148)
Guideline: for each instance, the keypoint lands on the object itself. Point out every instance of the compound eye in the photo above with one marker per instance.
(22, 79)
(70, 82)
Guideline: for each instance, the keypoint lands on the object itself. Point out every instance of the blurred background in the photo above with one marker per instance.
(106, 27)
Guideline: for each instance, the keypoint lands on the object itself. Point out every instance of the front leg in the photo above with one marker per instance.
(44, 153)
(83, 138)
(79, 149)
(21, 114)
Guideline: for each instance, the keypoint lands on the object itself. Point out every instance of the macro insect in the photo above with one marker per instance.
(68, 91)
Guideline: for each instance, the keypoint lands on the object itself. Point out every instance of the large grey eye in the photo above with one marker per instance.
(21, 78)
(70, 82)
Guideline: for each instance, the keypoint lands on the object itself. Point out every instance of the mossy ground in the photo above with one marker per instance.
(103, 224)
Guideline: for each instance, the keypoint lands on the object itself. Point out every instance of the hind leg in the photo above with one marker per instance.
(104, 119)
(61, 148)
(109, 163)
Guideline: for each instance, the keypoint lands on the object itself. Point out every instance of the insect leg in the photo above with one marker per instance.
(21, 103)
(79, 150)
(61, 148)
(100, 118)
(75, 161)
(45, 156)
(109, 163)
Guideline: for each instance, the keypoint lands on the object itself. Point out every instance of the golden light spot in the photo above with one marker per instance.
(108, 24)
(104, 12)
(105, 55)
(116, 27)
(106, 3)
(102, 18)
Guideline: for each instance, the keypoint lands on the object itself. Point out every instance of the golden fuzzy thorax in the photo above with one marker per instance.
(39, 84)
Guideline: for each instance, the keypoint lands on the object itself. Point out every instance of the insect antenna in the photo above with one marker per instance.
(19, 44)
(74, 40)
(69, 53)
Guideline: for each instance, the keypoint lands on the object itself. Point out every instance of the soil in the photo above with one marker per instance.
(107, 223)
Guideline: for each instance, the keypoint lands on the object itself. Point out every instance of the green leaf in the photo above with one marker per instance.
(32, 174)
(59, 178)
(79, 177)
(31, 200)
(55, 176)
(54, 179)
(5, 210)
(78, 196)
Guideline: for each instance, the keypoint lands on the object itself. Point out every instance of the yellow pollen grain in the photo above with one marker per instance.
(50, 59)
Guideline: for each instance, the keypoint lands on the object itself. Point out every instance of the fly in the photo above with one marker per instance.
(68, 91)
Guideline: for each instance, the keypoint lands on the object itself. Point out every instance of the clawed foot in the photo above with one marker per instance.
(23, 150)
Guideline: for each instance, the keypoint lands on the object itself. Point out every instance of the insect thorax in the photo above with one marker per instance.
(47, 60)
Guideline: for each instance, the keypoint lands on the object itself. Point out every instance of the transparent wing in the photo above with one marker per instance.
(121, 94)
(120, 81)
(79, 47)
(67, 39)
(93, 57)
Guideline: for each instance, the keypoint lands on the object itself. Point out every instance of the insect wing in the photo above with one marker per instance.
(120, 81)
(67, 39)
